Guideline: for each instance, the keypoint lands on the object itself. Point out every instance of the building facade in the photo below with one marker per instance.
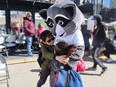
(15, 10)
(113, 3)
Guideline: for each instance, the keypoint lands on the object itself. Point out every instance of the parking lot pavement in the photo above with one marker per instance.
(26, 75)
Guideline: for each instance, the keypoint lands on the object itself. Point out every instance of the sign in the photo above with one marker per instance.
(90, 23)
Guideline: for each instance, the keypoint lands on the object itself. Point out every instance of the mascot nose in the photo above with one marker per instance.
(53, 31)
(59, 30)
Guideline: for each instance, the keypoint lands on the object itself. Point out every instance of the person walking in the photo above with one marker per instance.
(99, 38)
(29, 32)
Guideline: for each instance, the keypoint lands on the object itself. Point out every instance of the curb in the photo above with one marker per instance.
(21, 60)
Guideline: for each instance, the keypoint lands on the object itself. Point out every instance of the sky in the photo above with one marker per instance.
(107, 3)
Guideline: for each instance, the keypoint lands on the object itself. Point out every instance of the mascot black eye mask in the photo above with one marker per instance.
(64, 19)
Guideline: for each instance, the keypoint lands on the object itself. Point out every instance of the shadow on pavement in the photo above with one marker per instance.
(35, 70)
(85, 58)
(113, 62)
(90, 74)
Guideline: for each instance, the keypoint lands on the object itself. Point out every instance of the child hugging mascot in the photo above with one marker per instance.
(64, 20)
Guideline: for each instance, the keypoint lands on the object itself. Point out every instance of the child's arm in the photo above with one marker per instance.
(46, 53)
(62, 59)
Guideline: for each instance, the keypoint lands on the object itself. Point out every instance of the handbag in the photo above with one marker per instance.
(80, 67)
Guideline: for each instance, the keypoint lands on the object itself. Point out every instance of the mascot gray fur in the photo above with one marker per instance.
(64, 19)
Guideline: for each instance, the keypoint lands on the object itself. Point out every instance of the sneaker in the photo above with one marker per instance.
(91, 69)
(103, 70)
(109, 60)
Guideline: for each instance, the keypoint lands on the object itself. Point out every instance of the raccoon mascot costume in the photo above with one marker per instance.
(64, 20)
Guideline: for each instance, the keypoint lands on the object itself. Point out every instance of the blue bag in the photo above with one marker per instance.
(68, 78)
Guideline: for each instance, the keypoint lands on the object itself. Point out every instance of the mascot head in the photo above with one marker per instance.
(62, 18)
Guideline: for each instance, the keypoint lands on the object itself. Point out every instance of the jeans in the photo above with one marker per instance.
(96, 53)
(28, 45)
(43, 78)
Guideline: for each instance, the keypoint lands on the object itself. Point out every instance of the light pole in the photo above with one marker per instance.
(102, 1)
(94, 4)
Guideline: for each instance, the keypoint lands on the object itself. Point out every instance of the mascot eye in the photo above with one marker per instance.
(50, 24)
(60, 22)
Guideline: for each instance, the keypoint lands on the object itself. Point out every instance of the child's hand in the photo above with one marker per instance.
(62, 59)
(66, 60)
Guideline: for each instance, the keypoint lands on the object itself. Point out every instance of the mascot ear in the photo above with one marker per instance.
(71, 9)
(43, 13)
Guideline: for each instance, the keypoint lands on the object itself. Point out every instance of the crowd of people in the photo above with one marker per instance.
(62, 45)
(52, 62)
(44, 40)
(57, 60)
(61, 51)
(29, 31)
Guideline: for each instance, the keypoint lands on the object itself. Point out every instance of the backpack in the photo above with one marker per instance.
(40, 60)
(67, 78)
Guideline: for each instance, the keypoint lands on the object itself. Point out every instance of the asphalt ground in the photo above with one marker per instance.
(25, 74)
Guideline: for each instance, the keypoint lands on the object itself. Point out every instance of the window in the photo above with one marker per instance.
(38, 20)
(17, 17)
(2, 22)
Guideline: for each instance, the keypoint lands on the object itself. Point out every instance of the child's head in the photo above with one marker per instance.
(62, 48)
(39, 25)
(47, 37)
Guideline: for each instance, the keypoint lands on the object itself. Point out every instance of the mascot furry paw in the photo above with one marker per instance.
(64, 20)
